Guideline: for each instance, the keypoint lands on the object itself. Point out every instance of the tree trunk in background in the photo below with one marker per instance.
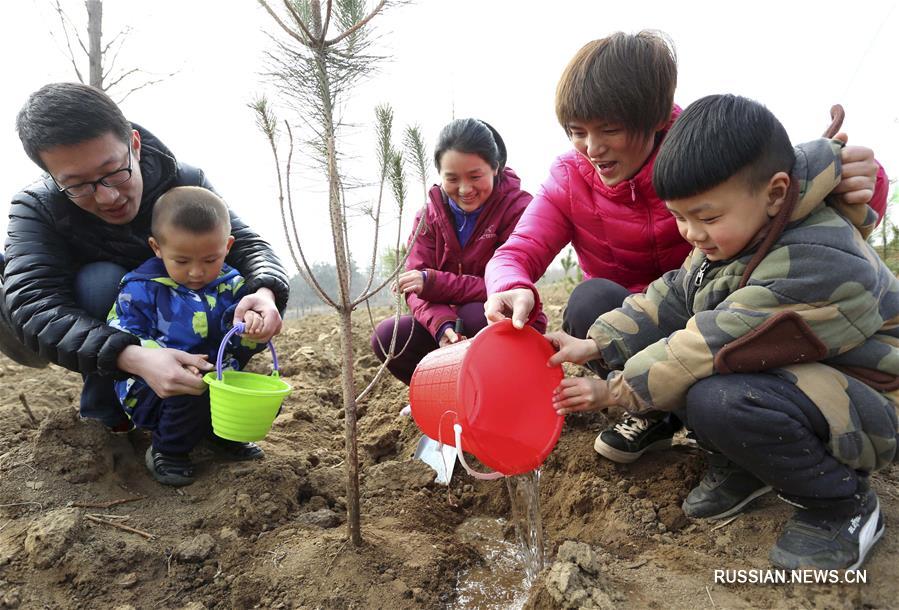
(94, 33)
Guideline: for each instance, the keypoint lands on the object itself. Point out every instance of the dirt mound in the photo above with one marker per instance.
(83, 525)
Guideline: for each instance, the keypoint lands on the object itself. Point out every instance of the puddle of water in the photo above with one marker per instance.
(499, 582)
(504, 579)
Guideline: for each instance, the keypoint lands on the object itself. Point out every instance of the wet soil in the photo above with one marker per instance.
(272, 534)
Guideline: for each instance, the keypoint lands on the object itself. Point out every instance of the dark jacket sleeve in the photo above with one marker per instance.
(39, 292)
(252, 256)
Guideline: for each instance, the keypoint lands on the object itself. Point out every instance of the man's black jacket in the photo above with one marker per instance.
(50, 239)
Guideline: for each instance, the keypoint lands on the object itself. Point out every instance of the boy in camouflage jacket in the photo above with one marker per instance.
(777, 340)
(184, 298)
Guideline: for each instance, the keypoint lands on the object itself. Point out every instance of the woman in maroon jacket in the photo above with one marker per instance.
(469, 216)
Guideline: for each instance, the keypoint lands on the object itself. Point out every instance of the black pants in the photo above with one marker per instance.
(589, 300)
(766, 425)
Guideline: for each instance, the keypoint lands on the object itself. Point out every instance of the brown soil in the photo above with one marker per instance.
(272, 534)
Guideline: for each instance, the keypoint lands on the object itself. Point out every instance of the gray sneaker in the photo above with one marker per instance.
(725, 490)
(831, 540)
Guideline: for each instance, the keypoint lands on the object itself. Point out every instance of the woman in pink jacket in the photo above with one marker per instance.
(615, 101)
(468, 217)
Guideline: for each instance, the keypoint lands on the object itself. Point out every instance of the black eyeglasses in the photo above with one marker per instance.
(119, 176)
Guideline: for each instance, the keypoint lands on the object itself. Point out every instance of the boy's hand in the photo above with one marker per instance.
(516, 303)
(449, 337)
(410, 281)
(253, 323)
(569, 349)
(167, 371)
(263, 303)
(859, 173)
(575, 394)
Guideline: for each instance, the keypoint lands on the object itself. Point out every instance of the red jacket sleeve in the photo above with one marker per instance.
(541, 233)
(881, 190)
(422, 256)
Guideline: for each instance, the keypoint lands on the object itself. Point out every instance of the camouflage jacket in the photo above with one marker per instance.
(818, 294)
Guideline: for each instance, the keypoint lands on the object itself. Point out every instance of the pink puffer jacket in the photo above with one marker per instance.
(623, 233)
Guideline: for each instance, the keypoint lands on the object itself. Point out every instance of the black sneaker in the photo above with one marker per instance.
(169, 468)
(819, 538)
(235, 450)
(632, 437)
(725, 490)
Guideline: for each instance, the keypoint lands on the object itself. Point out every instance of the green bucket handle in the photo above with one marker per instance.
(239, 328)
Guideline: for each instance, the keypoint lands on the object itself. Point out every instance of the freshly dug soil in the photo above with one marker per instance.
(272, 534)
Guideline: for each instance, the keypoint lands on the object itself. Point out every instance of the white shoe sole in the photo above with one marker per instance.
(626, 457)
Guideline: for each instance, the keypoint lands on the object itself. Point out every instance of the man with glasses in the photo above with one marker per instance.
(73, 234)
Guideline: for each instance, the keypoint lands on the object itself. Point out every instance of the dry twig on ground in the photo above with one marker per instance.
(126, 528)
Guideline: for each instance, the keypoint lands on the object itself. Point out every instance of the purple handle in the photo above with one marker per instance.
(238, 328)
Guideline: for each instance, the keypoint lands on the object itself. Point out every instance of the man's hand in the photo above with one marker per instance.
(859, 173)
(575, 394)
(517, 303)
(410, 281)
(169, 372)
(263, 303)
(449, 337)
(569, 349)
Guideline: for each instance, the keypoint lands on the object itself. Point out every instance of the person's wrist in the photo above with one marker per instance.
(129, 358)
(266, 293)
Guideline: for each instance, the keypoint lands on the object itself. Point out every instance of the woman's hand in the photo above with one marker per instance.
(576, 394)
(516, 303)
(449, 337)
(859, 173)
(410, 281)
(569, 349)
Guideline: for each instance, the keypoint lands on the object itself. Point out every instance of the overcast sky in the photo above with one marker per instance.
(498, 60)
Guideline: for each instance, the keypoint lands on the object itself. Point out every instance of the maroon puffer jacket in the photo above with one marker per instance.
(455, 275)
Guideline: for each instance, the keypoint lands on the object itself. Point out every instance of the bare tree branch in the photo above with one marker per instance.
(321, 38)
(123, 76)
(123, 32)
(283, 25)
(63, 18)
(358, 26)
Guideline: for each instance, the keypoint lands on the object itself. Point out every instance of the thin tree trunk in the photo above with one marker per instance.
(354, 525)
(94, 34)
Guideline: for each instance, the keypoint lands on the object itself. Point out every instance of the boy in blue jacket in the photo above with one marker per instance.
(184, 298)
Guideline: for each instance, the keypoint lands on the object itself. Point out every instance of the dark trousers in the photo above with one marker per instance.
(178, 423)
(421, 342)
(96, 289)
(766, 425)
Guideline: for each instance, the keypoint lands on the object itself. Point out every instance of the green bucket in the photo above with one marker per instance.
(244, 405)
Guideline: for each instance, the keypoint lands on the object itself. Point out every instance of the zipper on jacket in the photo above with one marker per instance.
(633, 191)
(695, 284)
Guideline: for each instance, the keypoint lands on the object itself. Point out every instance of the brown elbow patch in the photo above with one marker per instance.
(783, 339)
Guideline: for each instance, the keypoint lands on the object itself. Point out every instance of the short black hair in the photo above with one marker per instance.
(717, 137)
(64, 114)
(474, 137)
(192, 208)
